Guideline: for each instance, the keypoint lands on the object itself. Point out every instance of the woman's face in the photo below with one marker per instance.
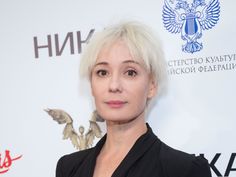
(120, 85)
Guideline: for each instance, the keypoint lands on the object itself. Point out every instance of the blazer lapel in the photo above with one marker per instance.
(87, 168)
(141, 146)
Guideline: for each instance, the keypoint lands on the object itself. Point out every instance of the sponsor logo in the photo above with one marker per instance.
(230, 169)
(80, 140)
(190, 19)
(6, 161)
(57, 44)
(200, 65)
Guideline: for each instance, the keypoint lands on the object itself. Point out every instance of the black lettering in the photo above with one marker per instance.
(69, 37)
(37, 47)
(212, 164)
(230, 164)
(79, 41)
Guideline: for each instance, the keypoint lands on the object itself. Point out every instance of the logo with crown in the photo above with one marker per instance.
(190, 19)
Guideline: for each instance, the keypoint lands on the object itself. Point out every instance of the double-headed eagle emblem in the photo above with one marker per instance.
(190, 19)
(80, 141)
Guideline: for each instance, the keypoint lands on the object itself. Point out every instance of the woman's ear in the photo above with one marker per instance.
(152, 88)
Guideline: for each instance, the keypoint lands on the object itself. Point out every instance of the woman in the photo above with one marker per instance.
(126, 69)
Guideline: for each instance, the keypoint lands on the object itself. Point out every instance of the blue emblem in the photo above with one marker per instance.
(190, 19)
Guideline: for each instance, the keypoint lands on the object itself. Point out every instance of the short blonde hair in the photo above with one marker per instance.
(142, 43)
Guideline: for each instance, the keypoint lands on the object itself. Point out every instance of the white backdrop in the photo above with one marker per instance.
(197, 115)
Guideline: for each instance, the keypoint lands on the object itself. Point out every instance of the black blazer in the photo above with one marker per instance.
(149, 157)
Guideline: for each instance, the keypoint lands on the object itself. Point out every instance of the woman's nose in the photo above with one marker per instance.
(115, 84)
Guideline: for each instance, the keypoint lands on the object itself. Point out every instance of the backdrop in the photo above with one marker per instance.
(40, 47)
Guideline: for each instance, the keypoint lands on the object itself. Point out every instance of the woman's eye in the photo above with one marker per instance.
(102, 73)
(131, 73)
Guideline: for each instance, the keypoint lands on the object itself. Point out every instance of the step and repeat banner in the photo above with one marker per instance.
(40, 47)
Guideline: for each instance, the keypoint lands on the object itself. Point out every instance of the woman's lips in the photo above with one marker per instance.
(115, 103)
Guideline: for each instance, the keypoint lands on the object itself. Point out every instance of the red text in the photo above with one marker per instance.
(6, 161)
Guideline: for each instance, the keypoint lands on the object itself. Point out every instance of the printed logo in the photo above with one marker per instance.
(79, 140)
(190, 19)
(6, 161)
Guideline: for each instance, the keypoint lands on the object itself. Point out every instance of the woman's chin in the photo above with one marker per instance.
(119, 121)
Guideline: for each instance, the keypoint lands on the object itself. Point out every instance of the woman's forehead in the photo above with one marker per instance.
(120, 50)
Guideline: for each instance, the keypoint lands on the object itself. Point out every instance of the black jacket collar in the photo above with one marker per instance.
(143, 143)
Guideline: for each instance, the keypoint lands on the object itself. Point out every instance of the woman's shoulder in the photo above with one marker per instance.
(69, 163)
(177, 163)
(76, 156)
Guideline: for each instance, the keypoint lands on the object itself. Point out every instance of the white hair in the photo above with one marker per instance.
(142, 43)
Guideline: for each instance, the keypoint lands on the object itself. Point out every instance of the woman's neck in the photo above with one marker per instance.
(121, 137)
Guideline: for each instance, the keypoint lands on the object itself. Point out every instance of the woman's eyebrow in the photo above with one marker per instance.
(101, 63)
(131, 61)
(124, 62)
